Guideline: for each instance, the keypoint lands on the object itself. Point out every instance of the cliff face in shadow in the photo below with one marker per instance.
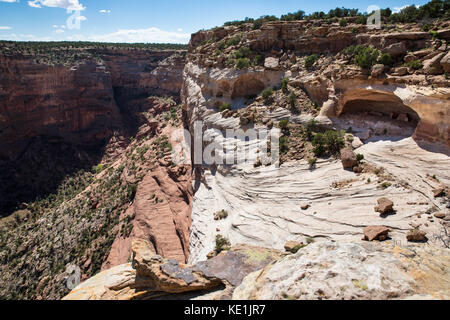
(56, 119)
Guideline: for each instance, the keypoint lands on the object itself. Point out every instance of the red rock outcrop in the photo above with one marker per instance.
(162, 216)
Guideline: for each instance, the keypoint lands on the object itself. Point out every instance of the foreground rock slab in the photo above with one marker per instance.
(150, 276)
(352, 271)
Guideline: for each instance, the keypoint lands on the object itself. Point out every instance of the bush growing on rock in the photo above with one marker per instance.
(330, 142)
(259, 60)
(310, 61)
(292, 99)
(364, 56)
(359, 157)
(361, 20)
(242, 63)
(367, 57)
(284, 125)
(225, 106)
(267, 94)
(234, 41)
(222, 244)
(284, 84)
(284, 144)
(312, 162)
(415, 64)
(386, 59)
(343, 23)
(242, 52)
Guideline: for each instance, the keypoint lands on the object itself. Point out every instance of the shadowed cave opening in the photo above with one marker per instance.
(247, 86)
(381, 114)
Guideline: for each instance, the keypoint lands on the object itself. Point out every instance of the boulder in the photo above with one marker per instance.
(401, 71)
(377, 70)
(410, 57)
(416, 235)
(305, 207)
(433, 66)
(384, 206)
(396, 49)
(439, 215)
(444, 34)
(375, 233)
(348, 158)
(272, 63)
(439, 192)
(357, 143)
(445, 62)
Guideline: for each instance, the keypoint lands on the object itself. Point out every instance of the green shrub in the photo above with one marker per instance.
(364, 56)
(312, 162)
(361, 20)
(283, 125)
(434, 34)
(426, 28)
(292, 99)
(234, 41)
(242, 52)
(359, 157)
(330, 142)
(242, 63)
(343, 23)
(131, 191)
(259, 60)
(416, 64)
(97, 169)
(225, 106)
(284, 144)
(367, 57)
(310, 61)
(386, 59)
(284, 84)
(267, 94)
(257, 24)
(222, 244)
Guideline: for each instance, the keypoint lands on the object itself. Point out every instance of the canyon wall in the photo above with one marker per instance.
(85, 166)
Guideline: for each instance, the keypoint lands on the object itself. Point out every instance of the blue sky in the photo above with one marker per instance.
(147, 20)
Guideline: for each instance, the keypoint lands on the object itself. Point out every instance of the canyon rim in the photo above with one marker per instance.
(305, 157)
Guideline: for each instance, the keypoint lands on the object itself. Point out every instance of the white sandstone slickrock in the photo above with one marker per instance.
(352, 271)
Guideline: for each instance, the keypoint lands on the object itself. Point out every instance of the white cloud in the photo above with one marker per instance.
(398, 9)
(10, 1)
(65, 4)
(59, 31)
(5, 28)
(105, 11)
(24, 37)
(150, 35)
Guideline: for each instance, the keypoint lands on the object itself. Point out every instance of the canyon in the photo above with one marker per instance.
(89, 182)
